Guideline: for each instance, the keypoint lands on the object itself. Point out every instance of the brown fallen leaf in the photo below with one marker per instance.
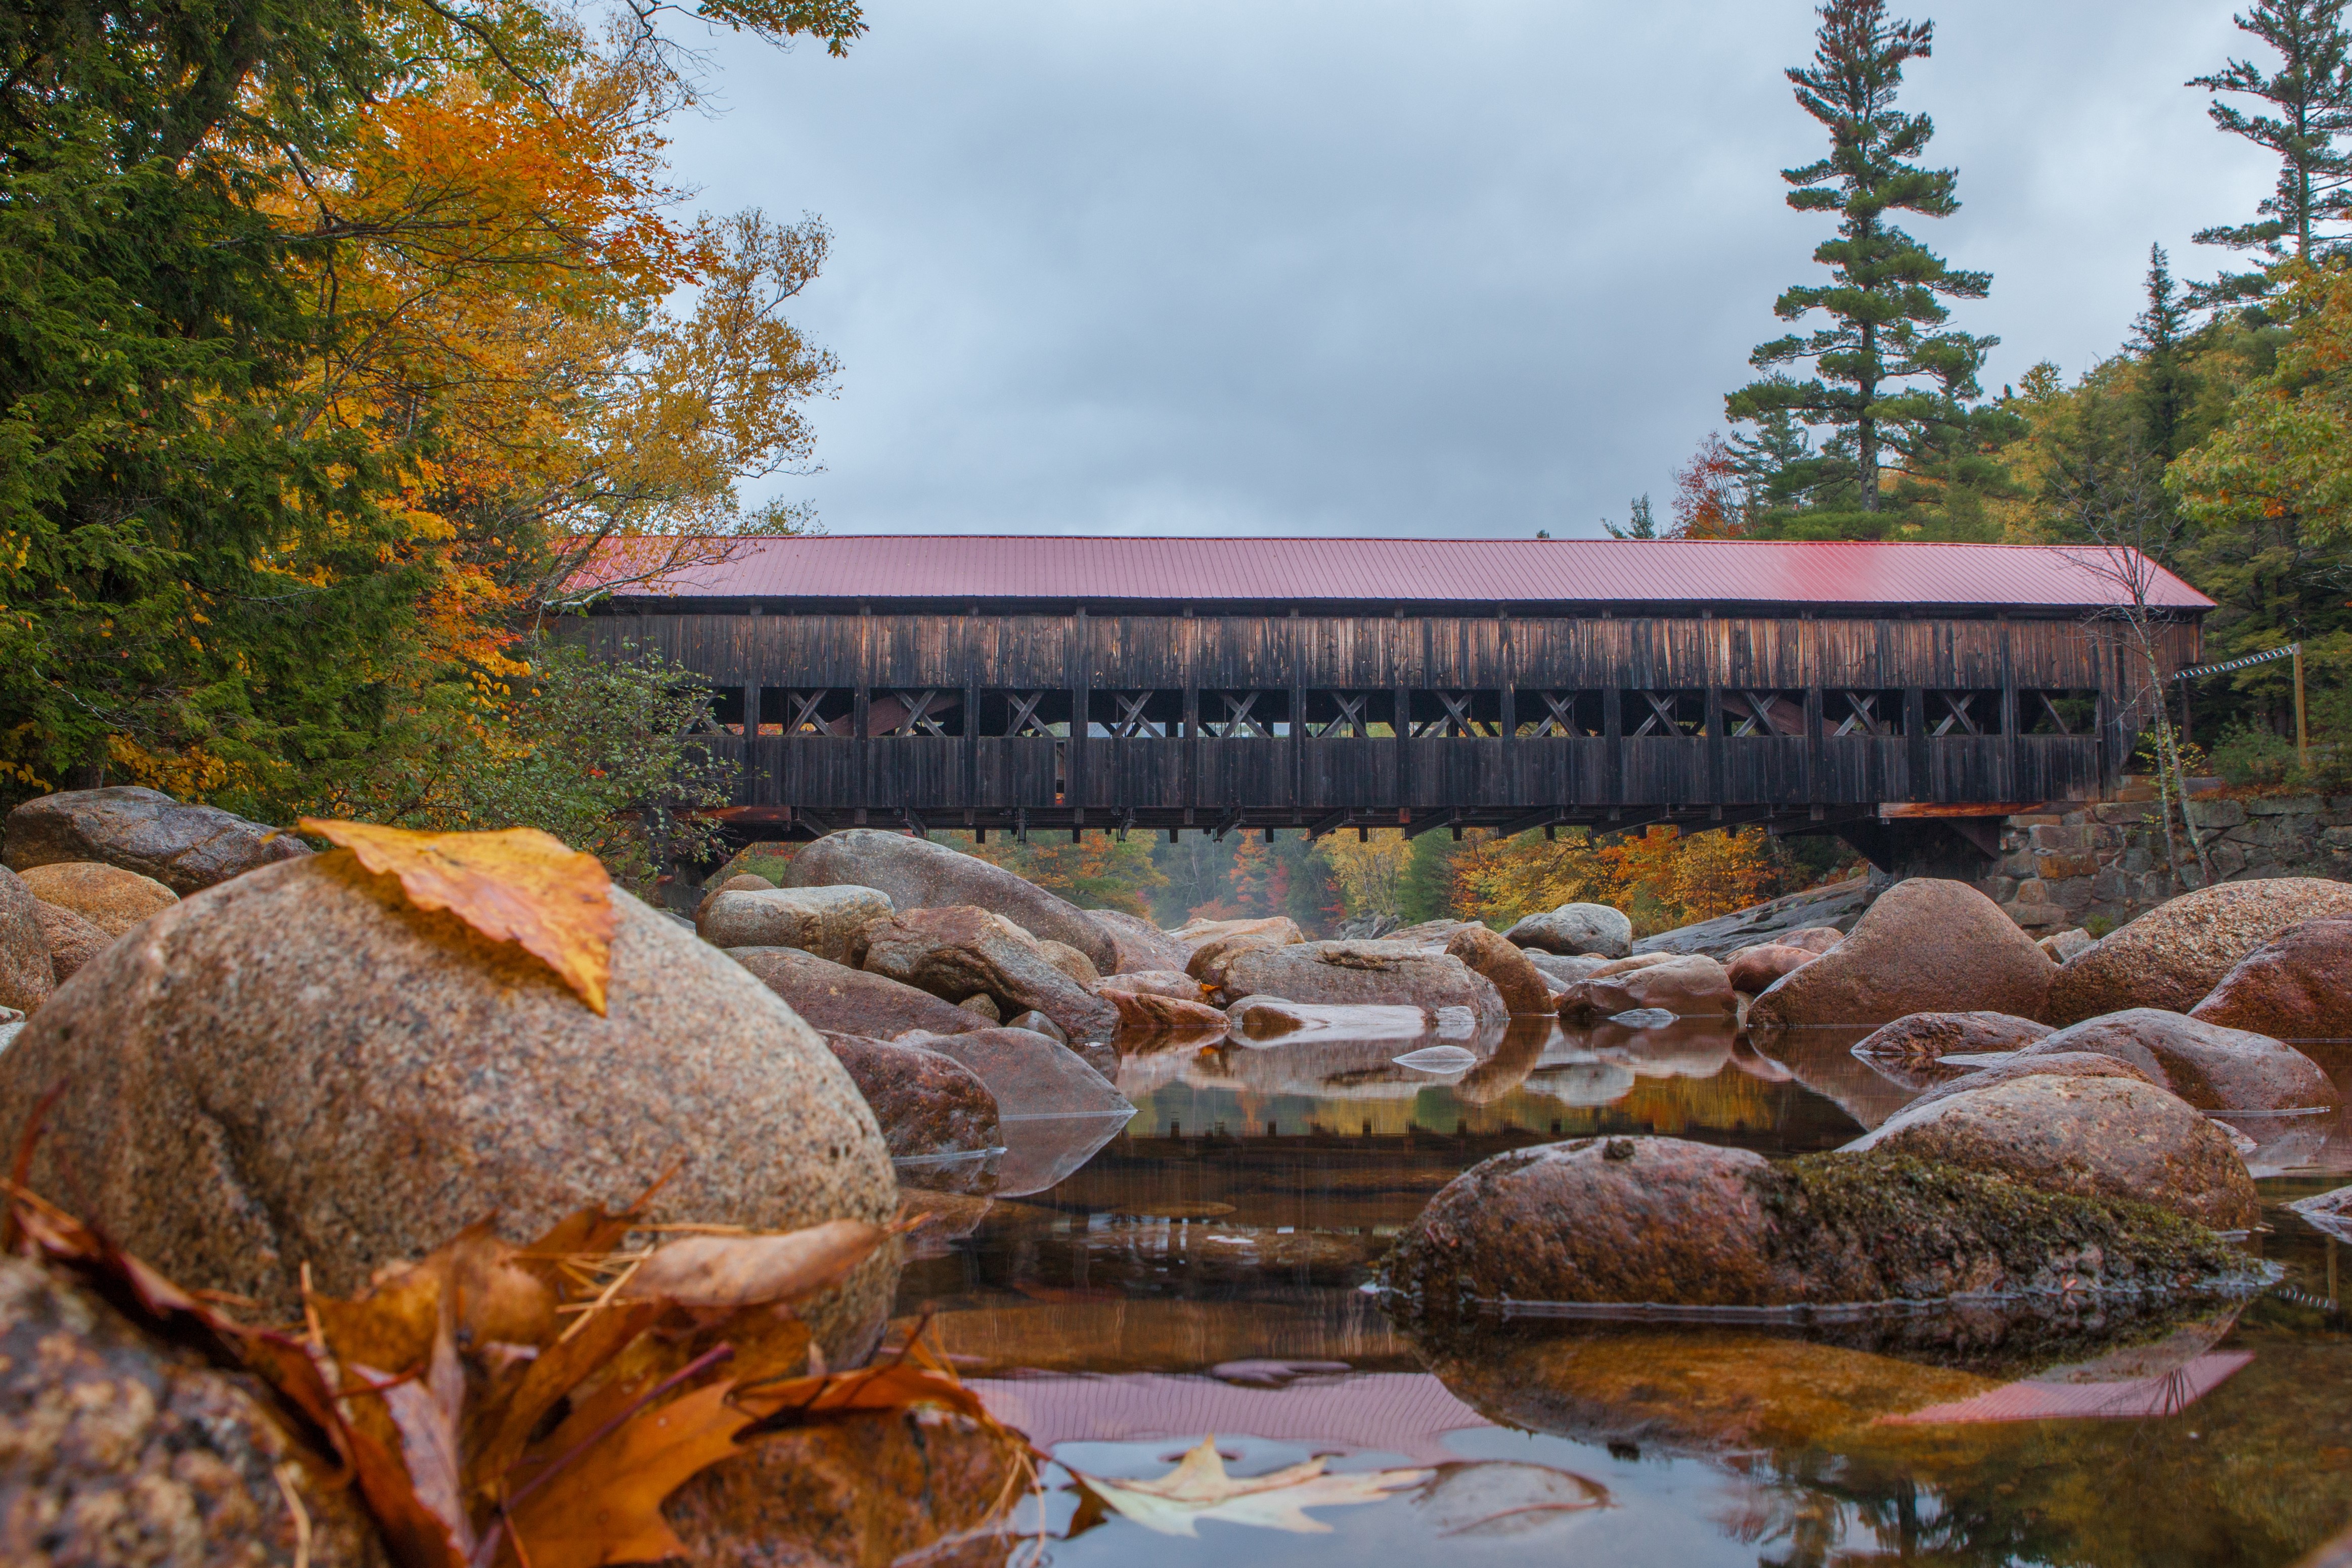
(517, 885)
(747, 1270)
(605, 1507)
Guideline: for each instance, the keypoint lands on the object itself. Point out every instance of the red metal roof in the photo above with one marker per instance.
(1209, 571)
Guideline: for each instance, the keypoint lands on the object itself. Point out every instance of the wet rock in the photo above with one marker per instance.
(2297, 985)
(1173, 983)
(26, 974)
(917, 873)
(1753, 969)
(2212, 1068)
(2070, 943)
(1576, 928)
(1918, 1038)
(1215, 953)
(1038, 1023)
(1146, 1012)
(2025, 1064)
(1030, 1074)
(953, 952)
(108, 897)
(185, 848)
(72, 940)
(2177, 953)
(302, 1067)
(2092, 1136)
(742, 881)
(1192, 934)
(928, 1103)
(836, 998)
(1835, 907)
(1365, 974)
(1276, 1018)
(1566, 968)
(1634, 1220)
(825, 921)
(1927, 946)
(1626, 966)
(1519, 983)
(1137, 944)
(1687, 986)
(1432, 934)
(864, 1491)
(120, 1451)
(1071, 962)
(984, 1005)
(1812, 938)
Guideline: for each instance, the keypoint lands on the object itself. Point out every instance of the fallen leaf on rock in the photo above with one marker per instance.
(517, 885)
(1199, 1488)
(607, 1506)
(746, 1270)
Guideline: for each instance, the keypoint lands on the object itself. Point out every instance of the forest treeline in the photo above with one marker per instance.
(335, 334)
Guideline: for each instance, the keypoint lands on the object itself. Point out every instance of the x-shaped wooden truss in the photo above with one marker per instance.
(1862, 714)
(1661, 715)
(1758, 720)
(1025, 712)
(1238, 720)
(2052, 709)
(804, 705)
(1562, 719)
(921, 708)
(1350, 719)
(1130, 722)
(1455, 721)
(1955, 707)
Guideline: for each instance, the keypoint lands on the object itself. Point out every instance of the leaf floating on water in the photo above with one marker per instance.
(745, 1270)
(1199, 1488)
(1502, 1497)
(517, 885)
(1439, 1058)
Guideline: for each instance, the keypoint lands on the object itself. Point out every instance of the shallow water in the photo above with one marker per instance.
(1206, 1271)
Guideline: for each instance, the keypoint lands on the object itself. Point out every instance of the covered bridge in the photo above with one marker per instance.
(1026, 684)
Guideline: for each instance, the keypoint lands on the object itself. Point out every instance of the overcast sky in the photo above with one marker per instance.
(1358, 266)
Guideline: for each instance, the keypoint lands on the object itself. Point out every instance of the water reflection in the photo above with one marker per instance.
(1203, 1270)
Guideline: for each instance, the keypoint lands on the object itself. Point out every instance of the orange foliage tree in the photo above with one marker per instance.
(1662, 877)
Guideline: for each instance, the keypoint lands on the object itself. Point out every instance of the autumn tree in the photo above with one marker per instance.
(1890, 381)
(2309, 101)
(1706, 493)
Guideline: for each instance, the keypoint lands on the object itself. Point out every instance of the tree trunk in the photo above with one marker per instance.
(1865, 434)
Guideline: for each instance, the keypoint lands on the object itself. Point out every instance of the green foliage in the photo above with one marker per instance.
(1890, 382)
(2248, 755)
(1426, 890)
(2312, 94)
(1641, 523)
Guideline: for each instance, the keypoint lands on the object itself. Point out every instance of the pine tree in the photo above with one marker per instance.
(2157, 334)
(2312, 93)
(1641, 524)
(1886, 337)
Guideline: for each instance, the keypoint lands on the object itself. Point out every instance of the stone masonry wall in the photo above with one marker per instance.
(2105, 862)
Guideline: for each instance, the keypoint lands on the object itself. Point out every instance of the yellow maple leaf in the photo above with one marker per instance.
(1199, 1488)
(517, 885)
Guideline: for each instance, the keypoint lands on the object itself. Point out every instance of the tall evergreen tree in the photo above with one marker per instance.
(2156, 337)
(1889, 380)
(2312, 94)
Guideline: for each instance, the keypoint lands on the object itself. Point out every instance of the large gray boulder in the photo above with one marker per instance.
(839, 999)
(825, 921)
(1926, 945)
(1364, 974)
(122, 1450)
(300, 1067)
(2171, 957)
(185, 848)
(954, 953)
(26, 978)
(2212, 1068)
(1574, 928)
(2095, 1136)
(917, 873)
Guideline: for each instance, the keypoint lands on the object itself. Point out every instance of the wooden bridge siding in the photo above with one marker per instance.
(1294, 654)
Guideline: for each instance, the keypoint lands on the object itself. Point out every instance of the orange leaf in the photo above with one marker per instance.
(517, 885)
(605, 1505)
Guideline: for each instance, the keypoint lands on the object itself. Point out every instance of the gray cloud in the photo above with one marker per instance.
(1135, 266)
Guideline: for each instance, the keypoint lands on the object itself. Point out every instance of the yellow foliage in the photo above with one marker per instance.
(1661, 877)
(1369, 871)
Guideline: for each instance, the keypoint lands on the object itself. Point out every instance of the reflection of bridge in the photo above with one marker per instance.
(1028, 683)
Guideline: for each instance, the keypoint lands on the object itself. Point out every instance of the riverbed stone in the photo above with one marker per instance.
(1365, 974)
(2094, 1137)
(1927, 944)
(1071, 962)
(2070, 943)
(300, 1067)
(1661, 1220)
(108, 897)
(2297, 985)
(836, 998)
(2173, 955)
(821, 920)
(119, 1450)
(1215, 952)
(927, 1102)
(1173, 983)
(1148, 1012)
(742, 881)
(2025, 1064)
(1576, 928)
(185, 848)
(1137, 944)
(1916, 1038)
(72, 940)
(1519, 983)
(1753, 969)
(1030, 1074)
(956, 950)
(920, 873)
(2210, 1067)
(1688, 985)
(27, 975)
(1566, 968)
